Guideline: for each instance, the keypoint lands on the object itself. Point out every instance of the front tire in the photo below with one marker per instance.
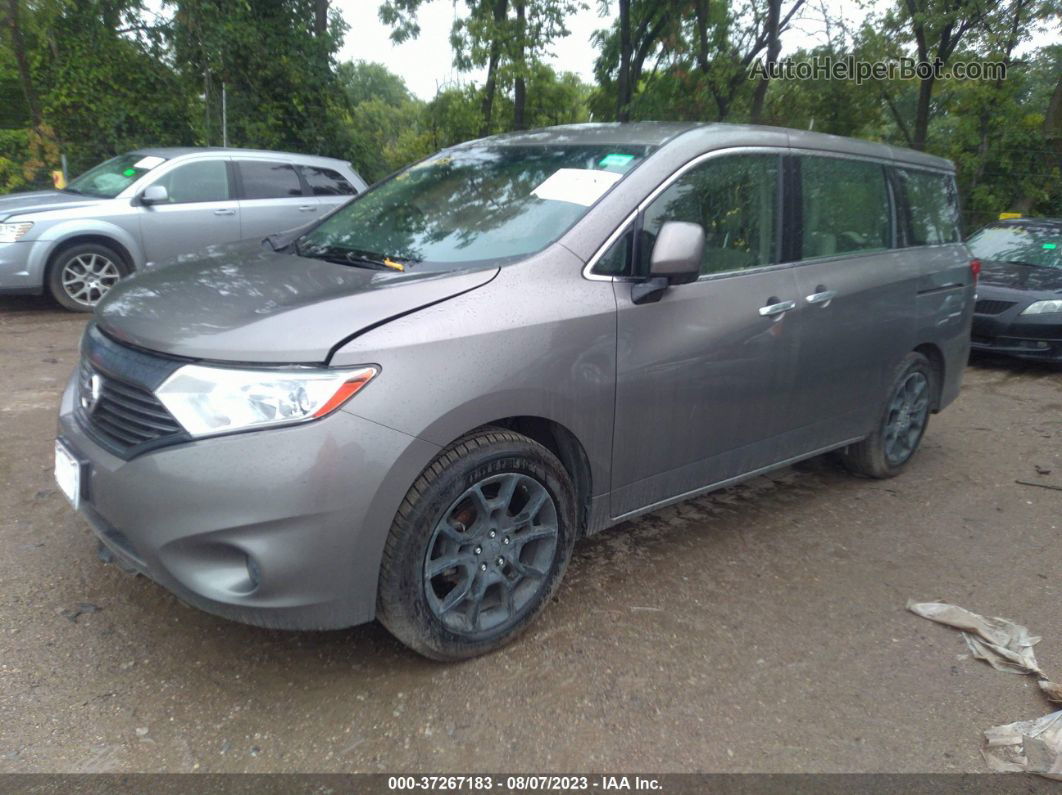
(79, 276)
(903, 421)
(478, 547)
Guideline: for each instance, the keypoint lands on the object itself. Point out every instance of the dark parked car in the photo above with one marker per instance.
(1019, 298)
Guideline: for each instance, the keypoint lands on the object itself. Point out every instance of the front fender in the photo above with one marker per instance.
(58, 235)
(538, 341)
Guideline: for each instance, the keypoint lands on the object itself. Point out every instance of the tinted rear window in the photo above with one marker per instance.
(845, 206)
(264, 180)
(326, 182)
(932, 207)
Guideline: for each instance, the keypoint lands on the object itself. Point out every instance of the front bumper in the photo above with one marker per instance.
(20, 268)
(281, 528)
(1012, 334)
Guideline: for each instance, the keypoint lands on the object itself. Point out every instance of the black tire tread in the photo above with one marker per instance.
(391, 562)
(56, 291)
(867, 458)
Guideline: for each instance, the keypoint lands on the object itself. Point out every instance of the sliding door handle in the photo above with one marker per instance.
(823, 297)
(776, 309)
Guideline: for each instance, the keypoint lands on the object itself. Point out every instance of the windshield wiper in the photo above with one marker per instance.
(360, 259)
(72, 190)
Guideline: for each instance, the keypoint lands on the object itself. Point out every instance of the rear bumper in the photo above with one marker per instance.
(280, 528)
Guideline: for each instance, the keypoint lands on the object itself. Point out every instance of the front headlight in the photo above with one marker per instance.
(1043, 308)
(9, 233)
(212, 400)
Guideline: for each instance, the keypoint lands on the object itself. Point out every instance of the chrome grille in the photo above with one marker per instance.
(124, 414)
(988, 307)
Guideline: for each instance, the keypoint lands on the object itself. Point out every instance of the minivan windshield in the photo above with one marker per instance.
(111, 177)
(1028, 244)
(472, 204)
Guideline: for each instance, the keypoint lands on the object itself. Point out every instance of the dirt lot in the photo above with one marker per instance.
(759, 629)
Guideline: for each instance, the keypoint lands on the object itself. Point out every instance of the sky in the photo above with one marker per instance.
(426, 63)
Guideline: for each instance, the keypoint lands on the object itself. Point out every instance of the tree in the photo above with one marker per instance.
(506, 37)
(937, 27)
(365, 80)
(704, 49)
(774, 46)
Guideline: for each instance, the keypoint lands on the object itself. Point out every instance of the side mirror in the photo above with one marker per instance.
(675, 259)
(155, 194)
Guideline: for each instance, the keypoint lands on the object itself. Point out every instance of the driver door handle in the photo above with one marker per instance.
(821, 298)
(776, 309)
(307, 208)
(225, 212)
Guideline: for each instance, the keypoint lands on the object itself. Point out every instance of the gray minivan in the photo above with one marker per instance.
(152, 205)
(412, 410)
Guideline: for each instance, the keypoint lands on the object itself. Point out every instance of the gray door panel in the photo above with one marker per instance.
(851, 338)
(271, 199)
(261, 217)
(704, 382)
(170, 230)
(199, 212)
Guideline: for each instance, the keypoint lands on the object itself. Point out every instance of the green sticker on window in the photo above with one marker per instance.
(615, 159)
(130, 172)
(1050, 246)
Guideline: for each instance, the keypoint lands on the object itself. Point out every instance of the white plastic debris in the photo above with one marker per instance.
(1026, 746)
(1004, 645)
(1030, 746)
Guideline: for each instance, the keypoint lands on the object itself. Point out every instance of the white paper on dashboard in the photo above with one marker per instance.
(576, 185)
(149, 162)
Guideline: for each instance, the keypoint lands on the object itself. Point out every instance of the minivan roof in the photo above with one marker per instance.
(716, 134)
(170, 152)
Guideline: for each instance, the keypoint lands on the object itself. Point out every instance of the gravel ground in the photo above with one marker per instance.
(758, 629)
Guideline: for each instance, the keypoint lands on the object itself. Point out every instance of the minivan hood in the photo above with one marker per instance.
(42, 201)
(242, 303)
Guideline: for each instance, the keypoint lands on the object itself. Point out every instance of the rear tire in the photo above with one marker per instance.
(478, 546)
(79, 276)
(902, 423)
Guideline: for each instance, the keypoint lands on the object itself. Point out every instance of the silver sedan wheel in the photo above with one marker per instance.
(88, 277)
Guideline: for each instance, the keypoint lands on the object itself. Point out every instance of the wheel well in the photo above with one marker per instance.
(566, 446)
(100, 240)
(936, 361)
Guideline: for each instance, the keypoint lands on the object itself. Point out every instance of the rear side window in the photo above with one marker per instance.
(264, 180)
(844, 206)
(205, 181)
(932, 207)
(326, 182)
(735, 200)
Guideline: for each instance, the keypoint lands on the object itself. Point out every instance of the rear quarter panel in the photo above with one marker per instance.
(945, 304)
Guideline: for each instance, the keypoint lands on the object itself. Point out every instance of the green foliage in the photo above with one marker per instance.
(363, 80)
(278, 71)
(110, 75)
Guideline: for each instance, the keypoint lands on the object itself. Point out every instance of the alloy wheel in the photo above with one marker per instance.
(906, 418)
(88, 277)
(491, 553)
